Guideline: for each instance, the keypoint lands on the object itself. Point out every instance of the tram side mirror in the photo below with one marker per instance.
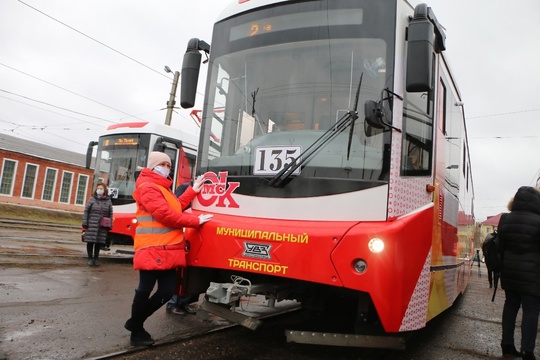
(374, 114)
(190, 77)
(159, 146)
(376, 118)
(420, 51)
(89, 152)
(190, 72)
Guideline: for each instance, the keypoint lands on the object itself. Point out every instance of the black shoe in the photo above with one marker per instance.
(90, 262)
(187, 310)
(510, 350)
(174, 310)
(141, 338)
(528, 356)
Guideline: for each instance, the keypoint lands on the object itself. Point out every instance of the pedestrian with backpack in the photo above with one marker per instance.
(519, 233)
(489, 251)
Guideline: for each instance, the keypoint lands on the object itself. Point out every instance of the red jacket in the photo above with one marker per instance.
(152, 201)
(159, 215)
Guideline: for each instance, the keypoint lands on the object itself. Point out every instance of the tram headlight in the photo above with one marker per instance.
(360, 266)
(133, 223)
(376, 245)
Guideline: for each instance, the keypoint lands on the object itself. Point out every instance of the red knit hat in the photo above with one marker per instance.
(156, 158)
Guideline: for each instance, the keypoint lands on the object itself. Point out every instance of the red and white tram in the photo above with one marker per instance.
(121, 154)
(334, 139)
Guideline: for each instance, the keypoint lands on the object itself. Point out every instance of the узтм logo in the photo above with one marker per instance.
(219, 190)
(254, 250)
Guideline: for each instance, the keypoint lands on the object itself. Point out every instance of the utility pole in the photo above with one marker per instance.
(171, 102)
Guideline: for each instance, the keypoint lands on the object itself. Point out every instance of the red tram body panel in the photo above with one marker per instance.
(334, 144)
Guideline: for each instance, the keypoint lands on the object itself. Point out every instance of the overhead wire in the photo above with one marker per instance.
(504, 137)
(44, 141)
(55, 106)
(97, 41)
(40, 108)
(501, 114)
(69, 91)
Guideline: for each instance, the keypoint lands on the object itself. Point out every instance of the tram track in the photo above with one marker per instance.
(127, 354)
(41, 226)
(266, 342)
(165, 342)
(210, 343)
(31, 240)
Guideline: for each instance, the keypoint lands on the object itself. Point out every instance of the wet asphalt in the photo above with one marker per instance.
(54, 306)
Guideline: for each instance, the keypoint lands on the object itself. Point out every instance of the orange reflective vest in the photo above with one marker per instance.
(150, 232)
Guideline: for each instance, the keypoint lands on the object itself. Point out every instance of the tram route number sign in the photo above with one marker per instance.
(269, 160)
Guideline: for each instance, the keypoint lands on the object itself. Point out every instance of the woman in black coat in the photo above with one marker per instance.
(95, 234)
(519, 232)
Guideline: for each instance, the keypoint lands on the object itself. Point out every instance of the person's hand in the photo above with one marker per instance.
(198, 183)
(205, 218)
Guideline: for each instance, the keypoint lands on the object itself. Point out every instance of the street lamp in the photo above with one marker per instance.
(171, 102)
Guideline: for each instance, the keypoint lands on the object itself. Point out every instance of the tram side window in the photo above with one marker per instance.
(417, 146)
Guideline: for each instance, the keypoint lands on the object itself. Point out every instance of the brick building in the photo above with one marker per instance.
(33, 174)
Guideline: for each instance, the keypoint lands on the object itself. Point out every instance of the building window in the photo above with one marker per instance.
(81, 190)
(49, 185)
(65, 190)
(29, 184)
(8, 177)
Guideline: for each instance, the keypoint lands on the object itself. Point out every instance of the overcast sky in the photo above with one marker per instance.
(68, 69)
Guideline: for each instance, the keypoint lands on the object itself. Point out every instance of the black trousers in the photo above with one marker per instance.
(529, 321)
(93, 250)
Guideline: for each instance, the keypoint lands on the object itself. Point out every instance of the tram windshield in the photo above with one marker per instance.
(278, 82)
(119, 160)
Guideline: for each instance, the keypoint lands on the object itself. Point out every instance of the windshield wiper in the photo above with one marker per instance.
(354, 117)
(348, 119)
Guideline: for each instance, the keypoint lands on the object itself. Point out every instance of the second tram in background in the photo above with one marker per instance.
(335, 147)
(122, 152)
